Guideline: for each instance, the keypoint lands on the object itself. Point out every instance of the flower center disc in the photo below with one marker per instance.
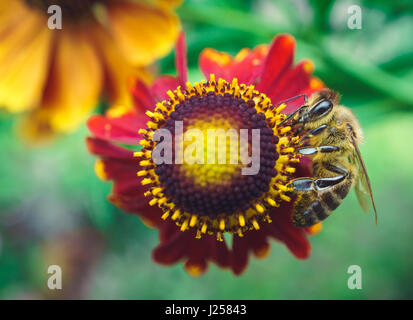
(228, 160)
(211, 188)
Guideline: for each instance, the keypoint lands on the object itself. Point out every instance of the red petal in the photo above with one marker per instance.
(279, 60)
(239, 257)
(104, 148)
(123, 129)
(294, 238)
(198, 255)
(119, 168)
(142, 97)
(129, 186)
(162, 85)
(304, 168)
(180, 60)
(248, 64)
(217, 63)
(257, 241)
(219, 253)
(140, 207)
(168, 253)
(167, 231)
(293, 83)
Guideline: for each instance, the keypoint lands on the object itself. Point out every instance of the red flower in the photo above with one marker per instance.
(271, 70)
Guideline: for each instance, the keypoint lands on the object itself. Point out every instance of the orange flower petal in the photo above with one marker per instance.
(167, 3)
(215, 62)
(143, 33)
(75, 81)
(24, 62)
(11, 12)
(116, 70)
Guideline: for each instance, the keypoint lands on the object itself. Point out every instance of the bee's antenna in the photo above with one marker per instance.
(293, 98)
(292, 114)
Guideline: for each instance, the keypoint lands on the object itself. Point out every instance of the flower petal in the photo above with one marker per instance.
(127, 192)
(162, 85)
(283, 230)
(180, 60)
(117, 71)
(75, 80)
(279, 59)
(144, 33)
(294, 82)
(219, 253)
(214, 62)
(104, 148)
(12, 13)
(24, 62)
(239, 257)
(248, 64)
(176, 246)
(254, 241)
(122, 129)
(170, 252)
(143, 98)
(168, 3)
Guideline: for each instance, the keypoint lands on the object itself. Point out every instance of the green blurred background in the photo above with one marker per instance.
(53, 207)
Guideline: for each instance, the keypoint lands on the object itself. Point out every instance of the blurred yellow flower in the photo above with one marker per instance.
(57, 76)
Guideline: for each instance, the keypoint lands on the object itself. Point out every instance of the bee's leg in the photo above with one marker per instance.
(310, 151)
(332, 196)
(314, 132)
(291, 115)
(308, 184)
(318, 197)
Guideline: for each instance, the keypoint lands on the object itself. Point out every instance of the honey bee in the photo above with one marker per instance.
(330, 135)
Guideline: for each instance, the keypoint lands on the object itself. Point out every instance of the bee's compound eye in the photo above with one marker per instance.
(321, 109)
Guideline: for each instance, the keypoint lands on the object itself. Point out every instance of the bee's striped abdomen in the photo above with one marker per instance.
(312, 207)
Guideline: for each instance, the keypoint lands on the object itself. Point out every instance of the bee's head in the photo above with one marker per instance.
(321, 109)
(320, 106)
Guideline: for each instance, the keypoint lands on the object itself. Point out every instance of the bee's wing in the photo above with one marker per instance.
(363, 186)
(362, 196)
